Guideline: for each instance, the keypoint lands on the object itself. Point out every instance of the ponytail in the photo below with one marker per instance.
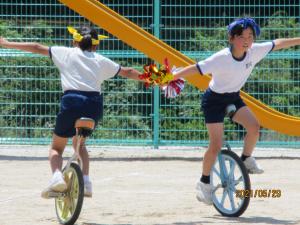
(88, 34)
(86, 43)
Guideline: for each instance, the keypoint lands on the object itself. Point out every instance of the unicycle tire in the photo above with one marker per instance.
(68, 207)
(222, 205)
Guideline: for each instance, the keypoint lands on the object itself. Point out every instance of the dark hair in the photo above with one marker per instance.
(87, 33)
(237, 26)
(238, 30)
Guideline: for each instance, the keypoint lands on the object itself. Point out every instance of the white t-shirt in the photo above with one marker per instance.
(82, 70)
(229, 74)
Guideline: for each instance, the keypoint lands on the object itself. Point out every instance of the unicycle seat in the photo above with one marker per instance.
(230, 110)
(84, 126)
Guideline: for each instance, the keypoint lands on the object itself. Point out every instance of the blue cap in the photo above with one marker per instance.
(244, 23)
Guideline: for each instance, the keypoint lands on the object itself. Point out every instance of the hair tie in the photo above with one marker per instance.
(78, 37)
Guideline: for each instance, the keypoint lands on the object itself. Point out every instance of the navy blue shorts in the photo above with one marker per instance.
(214, 105)
(76, 104)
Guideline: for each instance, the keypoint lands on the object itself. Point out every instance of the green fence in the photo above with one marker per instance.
(30, 86)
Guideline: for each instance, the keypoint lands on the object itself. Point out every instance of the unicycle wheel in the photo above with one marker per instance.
(228, 175)
(69, 205)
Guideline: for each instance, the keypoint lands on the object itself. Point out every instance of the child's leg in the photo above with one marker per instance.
(83, 154)
(57, 182)
(215, 132)
(56, 150)
(203, 187)
(247, 119)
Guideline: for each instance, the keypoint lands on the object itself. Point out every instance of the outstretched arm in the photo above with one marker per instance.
(186, 72)
(285, 43)
(130, 73)
(25, 46)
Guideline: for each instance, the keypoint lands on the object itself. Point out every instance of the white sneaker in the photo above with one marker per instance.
(88, 189)
(56, 184)
(204, 192)
(252, 166)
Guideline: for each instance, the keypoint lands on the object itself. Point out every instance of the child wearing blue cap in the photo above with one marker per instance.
(230, 69)
(82, 72)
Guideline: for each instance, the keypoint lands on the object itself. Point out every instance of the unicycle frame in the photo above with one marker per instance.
(222, 165)
(84, 127)
(76, 156)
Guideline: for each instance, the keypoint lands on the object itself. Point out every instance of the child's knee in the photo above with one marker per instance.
(55, 151)
(254, 129)
(215, 147)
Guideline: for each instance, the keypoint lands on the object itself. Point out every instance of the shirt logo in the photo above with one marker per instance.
(248, 65)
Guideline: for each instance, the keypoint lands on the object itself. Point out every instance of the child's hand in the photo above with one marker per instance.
(3, 41)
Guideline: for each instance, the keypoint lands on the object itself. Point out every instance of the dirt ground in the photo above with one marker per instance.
(143, 186)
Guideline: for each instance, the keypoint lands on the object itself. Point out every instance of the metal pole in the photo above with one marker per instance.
(156, 104)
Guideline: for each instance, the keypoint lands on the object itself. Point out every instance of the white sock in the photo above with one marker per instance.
(57, 172)
(86, 178)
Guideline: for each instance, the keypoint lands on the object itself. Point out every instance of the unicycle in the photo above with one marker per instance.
(229, 176)
(68, 204)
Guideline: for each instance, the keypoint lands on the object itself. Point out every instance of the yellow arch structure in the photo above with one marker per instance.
(154, 48)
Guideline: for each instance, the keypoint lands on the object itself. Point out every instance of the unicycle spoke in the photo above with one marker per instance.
(65, 211)
(232, 168)
(223, 169)
(238, 181)
(72, 205)
(216, 188)
(72, 181)
(67, 180)
(223, 197)
(60, 204)
(217, 172)
(74, 188)
(231, 199)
